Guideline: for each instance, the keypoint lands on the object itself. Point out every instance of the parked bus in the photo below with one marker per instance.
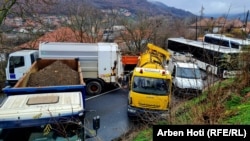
(215, 59)
(223, 40)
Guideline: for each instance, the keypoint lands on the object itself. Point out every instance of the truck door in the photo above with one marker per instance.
(16, 68)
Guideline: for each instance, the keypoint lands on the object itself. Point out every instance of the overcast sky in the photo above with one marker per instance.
(210, 6)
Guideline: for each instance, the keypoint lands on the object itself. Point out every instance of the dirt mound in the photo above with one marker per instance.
(57, 73)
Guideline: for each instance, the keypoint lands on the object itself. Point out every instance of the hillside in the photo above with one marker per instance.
(133, 6)
(154, 8)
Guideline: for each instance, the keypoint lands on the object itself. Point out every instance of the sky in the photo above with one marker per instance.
(223, 7)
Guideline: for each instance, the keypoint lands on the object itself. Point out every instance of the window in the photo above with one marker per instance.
(147, 85)
(188, 73)
(235, 45)
(32, 58)
(15, 62)
(224, 41)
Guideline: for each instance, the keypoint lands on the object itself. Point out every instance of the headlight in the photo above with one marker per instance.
(131, 110)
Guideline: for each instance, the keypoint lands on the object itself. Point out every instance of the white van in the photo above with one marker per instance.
(18, 63)
(187, 76)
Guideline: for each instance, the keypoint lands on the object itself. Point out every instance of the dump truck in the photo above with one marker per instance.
(150, 85)
(100, 63)
(49, 100)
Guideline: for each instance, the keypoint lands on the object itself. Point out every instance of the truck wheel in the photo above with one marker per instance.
(94, 88)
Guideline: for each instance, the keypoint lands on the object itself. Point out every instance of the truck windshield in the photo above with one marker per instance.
(193, 73)
(147, 85)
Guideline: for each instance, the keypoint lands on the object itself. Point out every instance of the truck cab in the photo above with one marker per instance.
(186, 75)
(51, 116)
(18, 64)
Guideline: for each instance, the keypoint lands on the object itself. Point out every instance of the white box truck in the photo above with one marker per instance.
(101, 63)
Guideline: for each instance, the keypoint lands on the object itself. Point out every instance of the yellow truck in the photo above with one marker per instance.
(150, 85)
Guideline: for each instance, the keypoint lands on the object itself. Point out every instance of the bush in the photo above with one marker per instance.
(235, 100)
(244, 91)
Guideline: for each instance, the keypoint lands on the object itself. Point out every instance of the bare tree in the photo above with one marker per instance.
(140, 31)
(24, 9)
(111, 19)
(5, 8)
(86, 22)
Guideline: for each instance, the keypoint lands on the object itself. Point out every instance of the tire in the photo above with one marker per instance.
(93, 88)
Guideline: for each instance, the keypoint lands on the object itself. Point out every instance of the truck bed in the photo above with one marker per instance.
(23, 86)
(39, 109)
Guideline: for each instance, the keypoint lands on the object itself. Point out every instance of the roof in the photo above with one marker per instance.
(187, 65)
(219, 22)
(223, 37)
(184, 60)
(204, 45)
(21, 52)
(62, 34)
(24, 107)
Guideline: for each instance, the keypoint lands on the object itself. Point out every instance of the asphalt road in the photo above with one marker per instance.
(112, 109)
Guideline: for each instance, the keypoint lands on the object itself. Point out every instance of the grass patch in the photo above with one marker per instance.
(237, 113)
(145, 135)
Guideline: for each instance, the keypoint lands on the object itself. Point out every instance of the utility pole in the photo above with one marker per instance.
(202, 12)
(201, 16)
(196, 30)
(246, 22)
